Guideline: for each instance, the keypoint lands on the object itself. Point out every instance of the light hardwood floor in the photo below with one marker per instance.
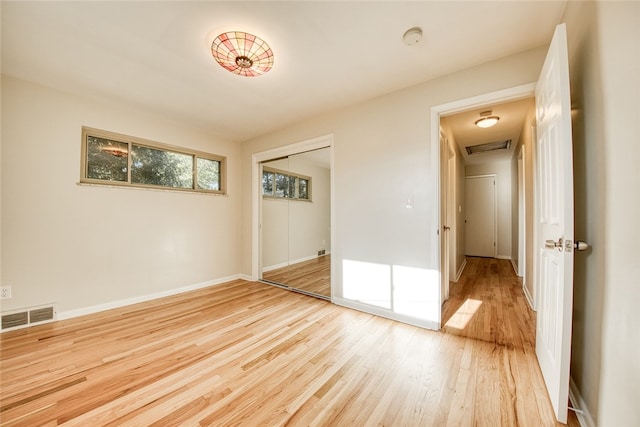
(310, 276)
(488, 300)
(246, 353)
(489, 305)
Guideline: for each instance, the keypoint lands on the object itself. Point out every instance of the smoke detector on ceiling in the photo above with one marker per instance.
(412, 36)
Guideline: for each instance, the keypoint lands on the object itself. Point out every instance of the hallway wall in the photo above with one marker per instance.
(604, 41)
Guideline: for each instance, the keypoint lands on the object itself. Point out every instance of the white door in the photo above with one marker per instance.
(480, 230)
(554, 236)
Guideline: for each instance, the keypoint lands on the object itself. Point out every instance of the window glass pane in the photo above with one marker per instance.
(303, 185)
(292, 186)
(282, 185)
(107, 159)
(158, 167)
(267, 183)
(208, 174)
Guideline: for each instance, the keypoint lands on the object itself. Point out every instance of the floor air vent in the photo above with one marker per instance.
(29, 316)
(15, 319)
(41, 315)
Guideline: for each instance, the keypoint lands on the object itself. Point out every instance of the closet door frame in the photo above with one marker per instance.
(325, 141)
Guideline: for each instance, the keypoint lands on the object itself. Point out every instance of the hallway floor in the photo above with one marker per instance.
(488, 304)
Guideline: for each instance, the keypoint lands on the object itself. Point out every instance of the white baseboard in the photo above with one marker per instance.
(427, 324)
(275, 266)
(293, 261)
(461, 269)
(515, 267)
(528, 296)
(507, 257)
(63, 315)
(578, 403)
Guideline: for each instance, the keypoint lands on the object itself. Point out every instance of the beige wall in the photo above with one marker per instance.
(502, 170)
(86, 246)
(605, 87)
(382, 153)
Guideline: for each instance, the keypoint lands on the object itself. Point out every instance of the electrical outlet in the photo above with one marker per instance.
(6, 292)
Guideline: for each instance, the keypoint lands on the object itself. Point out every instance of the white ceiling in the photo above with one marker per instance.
(466, 133)
(156, 55)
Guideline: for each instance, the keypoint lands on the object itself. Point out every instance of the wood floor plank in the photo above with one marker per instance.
(245, 353)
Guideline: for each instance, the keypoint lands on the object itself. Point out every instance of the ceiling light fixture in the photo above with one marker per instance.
(242, 53)
(486, 120)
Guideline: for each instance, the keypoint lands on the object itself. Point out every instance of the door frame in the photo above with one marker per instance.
(522, 216)
(502, 96)
(325, 141)
(451, 214)
(445, 241)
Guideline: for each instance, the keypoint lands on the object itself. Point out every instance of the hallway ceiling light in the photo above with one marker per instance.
(486, 120)
(242, 53)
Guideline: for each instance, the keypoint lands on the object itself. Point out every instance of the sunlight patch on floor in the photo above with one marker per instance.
(463, 315)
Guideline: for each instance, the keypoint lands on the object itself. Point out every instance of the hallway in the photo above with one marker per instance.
(488, 304)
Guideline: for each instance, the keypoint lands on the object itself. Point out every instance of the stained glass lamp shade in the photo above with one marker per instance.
(242, 53)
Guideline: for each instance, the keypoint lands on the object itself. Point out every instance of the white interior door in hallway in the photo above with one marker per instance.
(554, 219)
(480, 232)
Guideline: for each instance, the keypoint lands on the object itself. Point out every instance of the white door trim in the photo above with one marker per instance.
(500, 96)
(444, 206)
(452, 215)
(522, 217)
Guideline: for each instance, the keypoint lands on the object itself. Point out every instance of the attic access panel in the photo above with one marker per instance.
(489, 146)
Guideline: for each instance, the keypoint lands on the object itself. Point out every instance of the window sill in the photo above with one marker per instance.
(151, 188)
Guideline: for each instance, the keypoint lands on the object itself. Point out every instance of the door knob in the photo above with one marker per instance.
(552, 244)
(581, 245)
(446, 228)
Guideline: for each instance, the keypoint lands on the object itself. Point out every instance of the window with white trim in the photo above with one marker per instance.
(115, 159)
